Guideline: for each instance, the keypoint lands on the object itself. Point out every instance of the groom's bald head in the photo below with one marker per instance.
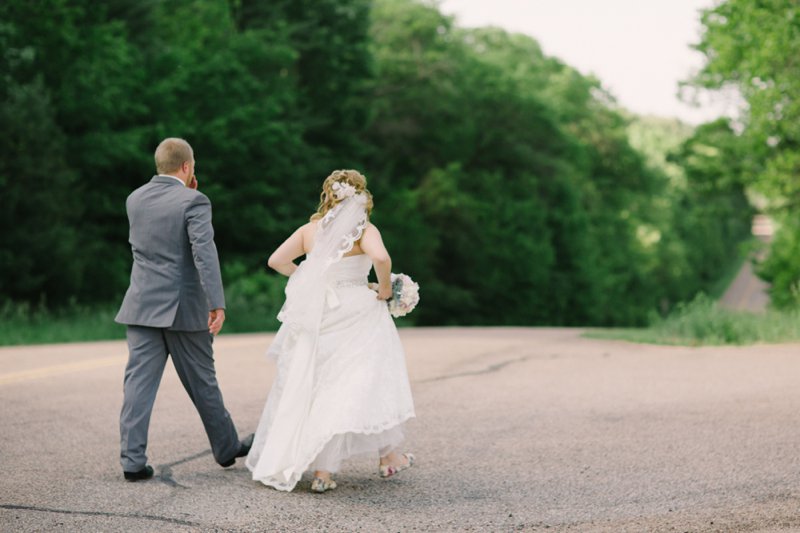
(171, 154)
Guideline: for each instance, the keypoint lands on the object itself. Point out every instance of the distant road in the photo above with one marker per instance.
(518, 429)
(748, 292)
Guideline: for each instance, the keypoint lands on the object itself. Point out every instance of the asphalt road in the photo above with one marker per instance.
(517, 429)
(747, 292)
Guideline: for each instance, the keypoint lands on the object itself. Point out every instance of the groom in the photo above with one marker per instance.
(174, 306)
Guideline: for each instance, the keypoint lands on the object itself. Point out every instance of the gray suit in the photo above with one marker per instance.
(175, 282)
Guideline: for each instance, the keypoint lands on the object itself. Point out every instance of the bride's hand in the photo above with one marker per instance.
(384, 293)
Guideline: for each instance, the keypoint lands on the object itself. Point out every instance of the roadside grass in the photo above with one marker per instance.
(22, 324)
(26, 324)
(700, 322)
(253, 301)
(703, 322)
(251, 307)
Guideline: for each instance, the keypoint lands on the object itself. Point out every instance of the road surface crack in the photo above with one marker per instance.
(496, 367)
(135, 516)
(165, 471)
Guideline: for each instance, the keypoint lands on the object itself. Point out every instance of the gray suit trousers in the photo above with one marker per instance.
(193, 357)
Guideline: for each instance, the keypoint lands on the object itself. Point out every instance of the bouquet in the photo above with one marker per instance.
(405, 295)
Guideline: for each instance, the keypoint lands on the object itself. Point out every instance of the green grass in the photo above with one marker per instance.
(23, 324)
(253, 301)
(703, 322)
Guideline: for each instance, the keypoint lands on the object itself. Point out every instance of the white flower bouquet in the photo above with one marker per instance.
(405, 295)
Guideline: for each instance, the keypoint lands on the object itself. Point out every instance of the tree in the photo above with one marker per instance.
(752, 46)
(457, 110)
(39, 252)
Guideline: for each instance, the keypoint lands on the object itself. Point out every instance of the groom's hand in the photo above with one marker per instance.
(215, 320)
(193, 182)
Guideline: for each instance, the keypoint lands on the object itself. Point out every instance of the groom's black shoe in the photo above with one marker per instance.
(144, 473)
(244, 449)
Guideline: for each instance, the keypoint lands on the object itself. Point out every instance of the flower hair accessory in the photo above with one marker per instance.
(343, 190)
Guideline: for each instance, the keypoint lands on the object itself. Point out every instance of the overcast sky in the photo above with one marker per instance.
(639, 49)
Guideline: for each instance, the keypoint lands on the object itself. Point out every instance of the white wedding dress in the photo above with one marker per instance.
(341, 387)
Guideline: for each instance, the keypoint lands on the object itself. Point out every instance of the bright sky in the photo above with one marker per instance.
(639, 49)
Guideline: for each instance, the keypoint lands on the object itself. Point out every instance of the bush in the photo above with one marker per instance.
(253, 299)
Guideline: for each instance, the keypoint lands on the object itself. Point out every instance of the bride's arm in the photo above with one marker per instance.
(372, 245)
(282, 259)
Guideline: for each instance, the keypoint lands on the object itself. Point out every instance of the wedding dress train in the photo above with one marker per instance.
(341, 387)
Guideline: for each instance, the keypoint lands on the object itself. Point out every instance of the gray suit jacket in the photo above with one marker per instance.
(175, 279)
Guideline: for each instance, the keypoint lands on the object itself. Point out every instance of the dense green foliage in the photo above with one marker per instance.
(703, 214)
(506, 183)
(753, 47)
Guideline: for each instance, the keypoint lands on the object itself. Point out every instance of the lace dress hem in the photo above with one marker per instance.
(307, 462)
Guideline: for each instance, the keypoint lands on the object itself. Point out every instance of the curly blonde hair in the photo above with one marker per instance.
(328, 200)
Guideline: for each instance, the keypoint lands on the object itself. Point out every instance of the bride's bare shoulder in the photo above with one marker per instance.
(308, 228)
(371, 229)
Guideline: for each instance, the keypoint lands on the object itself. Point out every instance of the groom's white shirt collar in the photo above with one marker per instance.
(174, 177)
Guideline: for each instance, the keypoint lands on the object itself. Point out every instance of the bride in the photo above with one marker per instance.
(341, 387)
